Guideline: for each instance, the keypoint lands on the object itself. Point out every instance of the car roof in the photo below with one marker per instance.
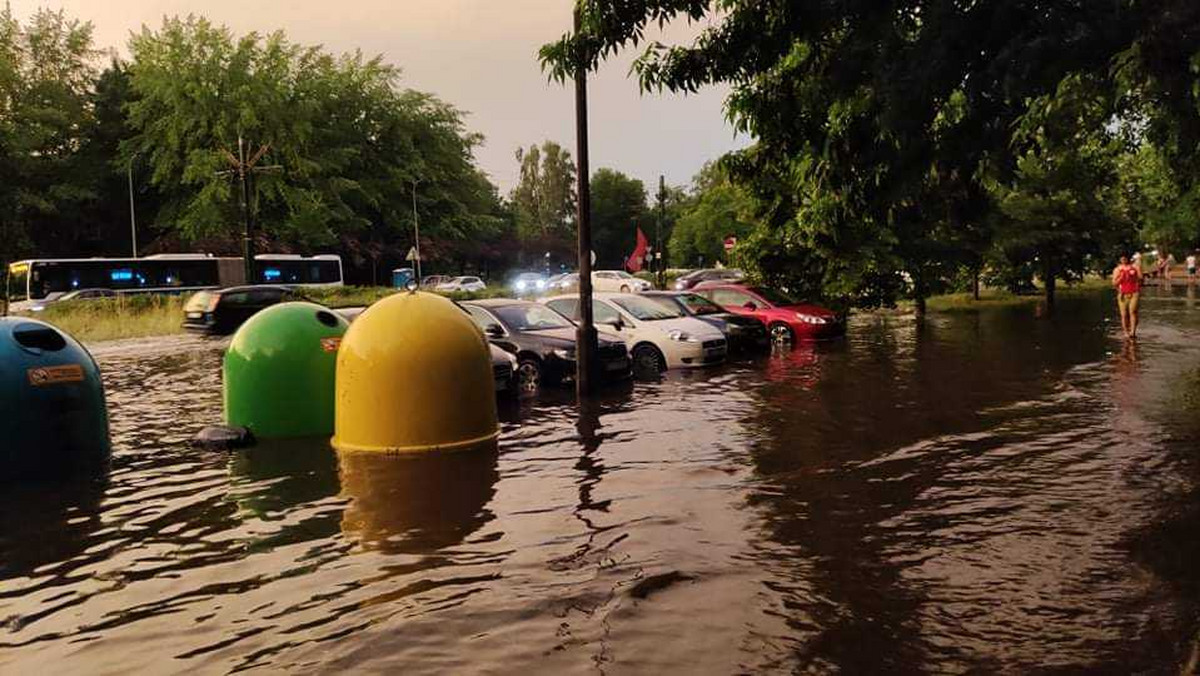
(250, 287)
(497, 302)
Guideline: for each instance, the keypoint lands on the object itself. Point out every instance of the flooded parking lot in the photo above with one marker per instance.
(993, 491)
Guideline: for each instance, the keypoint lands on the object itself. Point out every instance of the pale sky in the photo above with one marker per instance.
(479, 55)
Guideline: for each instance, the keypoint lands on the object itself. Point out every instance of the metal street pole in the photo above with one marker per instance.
(247, 235)
(416, 230)
(585, 338)
(662, 200)
(132, 214)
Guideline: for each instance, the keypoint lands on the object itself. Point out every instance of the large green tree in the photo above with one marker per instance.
(544, 201)
(618, 208)
(718, 208)
(878, 124)
(351, 148)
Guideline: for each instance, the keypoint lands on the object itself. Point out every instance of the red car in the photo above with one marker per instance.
(786, 319)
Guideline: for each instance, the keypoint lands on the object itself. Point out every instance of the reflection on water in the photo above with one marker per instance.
(991, 492)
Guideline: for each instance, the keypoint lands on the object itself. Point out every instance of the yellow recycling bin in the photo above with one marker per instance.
(414, 374)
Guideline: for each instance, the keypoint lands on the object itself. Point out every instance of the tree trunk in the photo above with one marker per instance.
(920, 306)
(919, 295)
(1051, 282)
(975, 284)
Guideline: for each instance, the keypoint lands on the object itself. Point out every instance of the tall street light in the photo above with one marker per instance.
(132, 213)
(585, 335)
(416, 230)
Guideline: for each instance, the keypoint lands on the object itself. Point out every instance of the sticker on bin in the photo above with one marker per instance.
(55, 375)
(331, 344)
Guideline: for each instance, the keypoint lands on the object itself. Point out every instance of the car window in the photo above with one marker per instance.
(266, 296)
(567, 307)
(473, 280)
(647, 309)
(603, 313)
(731, 298)
(235, 298)
(531, 318)
(623, 275)
(481, 317)
(699, 305)
(775, 297)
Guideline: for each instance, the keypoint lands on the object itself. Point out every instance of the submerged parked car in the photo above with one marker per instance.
(785, 318)
(78, 294)
(220, 312)
(660, 337)
(542, 340)
(745, 334)
(691, 279)
(618, 281)
(461, 284)
(528, 283)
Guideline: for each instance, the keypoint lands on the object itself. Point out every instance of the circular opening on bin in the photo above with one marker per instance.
(327, 318)
(38, 337)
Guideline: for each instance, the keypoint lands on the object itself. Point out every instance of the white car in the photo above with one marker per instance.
(618, 281)
(659, 337)
(462, 284)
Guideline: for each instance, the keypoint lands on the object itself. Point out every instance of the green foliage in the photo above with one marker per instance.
(720, 208)
(347, 143)
(618, 208)
(544, 200)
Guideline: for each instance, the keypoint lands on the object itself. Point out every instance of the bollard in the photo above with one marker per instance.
(279, 371)
(53, 419)
(414, 374)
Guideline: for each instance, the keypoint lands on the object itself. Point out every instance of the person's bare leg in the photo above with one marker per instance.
(1133, 319)
(1123, 311)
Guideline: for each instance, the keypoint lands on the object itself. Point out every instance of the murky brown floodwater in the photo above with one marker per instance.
(990, 493)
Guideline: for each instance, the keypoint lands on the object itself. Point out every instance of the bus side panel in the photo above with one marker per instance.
(232, 272)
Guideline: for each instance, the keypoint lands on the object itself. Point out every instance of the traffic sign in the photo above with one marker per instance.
(412, 254)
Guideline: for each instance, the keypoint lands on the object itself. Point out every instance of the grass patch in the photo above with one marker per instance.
(121, 317)
(999, 298)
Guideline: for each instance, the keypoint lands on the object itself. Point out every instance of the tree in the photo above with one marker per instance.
(544, 200)
(718, 208)
(1160, 199)
(47, 70)
(1058, 210)
(618, 207)
(878, 124)
(352, 148)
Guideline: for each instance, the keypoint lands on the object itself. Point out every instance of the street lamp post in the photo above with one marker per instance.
(586, 332)
(416, 229)
(132, 213)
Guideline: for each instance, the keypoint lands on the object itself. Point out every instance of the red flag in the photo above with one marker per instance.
(634, 262)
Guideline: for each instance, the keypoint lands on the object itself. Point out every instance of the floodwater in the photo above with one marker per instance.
(991, 492)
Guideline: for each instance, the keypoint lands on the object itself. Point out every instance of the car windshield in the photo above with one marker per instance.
(699, 305)
(623, 275)
(774, 297)
(531, 318)
(648, 310)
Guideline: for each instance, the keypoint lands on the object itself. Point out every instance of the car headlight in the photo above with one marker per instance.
(38, 308)
(564, 353)
(541, 284)
(681, 336)
(521, 285)
(810, 319)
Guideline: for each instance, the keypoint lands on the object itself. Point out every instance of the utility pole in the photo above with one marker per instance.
(243, 168)
(132, 214)
(416, 231)
(585, 338)
(662, 213)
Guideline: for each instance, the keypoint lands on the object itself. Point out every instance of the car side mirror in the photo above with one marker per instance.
(749, 305)
(616, 323)
(494, 331)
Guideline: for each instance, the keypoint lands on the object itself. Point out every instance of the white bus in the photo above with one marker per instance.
(34, 281)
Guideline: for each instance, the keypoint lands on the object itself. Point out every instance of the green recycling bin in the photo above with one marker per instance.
(279, 371)
(53, 419)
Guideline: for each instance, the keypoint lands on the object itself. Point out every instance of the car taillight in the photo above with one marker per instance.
(213, 301)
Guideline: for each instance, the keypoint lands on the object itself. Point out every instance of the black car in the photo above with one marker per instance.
(745, 334)
(542, 340)
(220, 312)
(691, 279)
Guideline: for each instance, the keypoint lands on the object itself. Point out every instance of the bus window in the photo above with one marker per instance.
(18, 282)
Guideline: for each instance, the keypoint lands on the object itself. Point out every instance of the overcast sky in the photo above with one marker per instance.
(479, 55)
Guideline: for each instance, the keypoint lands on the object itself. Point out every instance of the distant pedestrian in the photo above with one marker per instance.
(1127, 280)
(1191, 267)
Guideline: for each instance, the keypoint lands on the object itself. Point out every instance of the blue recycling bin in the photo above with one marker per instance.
(53, 419)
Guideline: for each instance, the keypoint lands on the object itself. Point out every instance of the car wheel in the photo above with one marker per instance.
(648, 361)
(529, 376)
(624, 288)
(782, 334)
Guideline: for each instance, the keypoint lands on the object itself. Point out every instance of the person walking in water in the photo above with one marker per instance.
(1127, 280)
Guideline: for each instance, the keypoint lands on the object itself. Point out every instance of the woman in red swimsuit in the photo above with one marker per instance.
(1127, 280)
